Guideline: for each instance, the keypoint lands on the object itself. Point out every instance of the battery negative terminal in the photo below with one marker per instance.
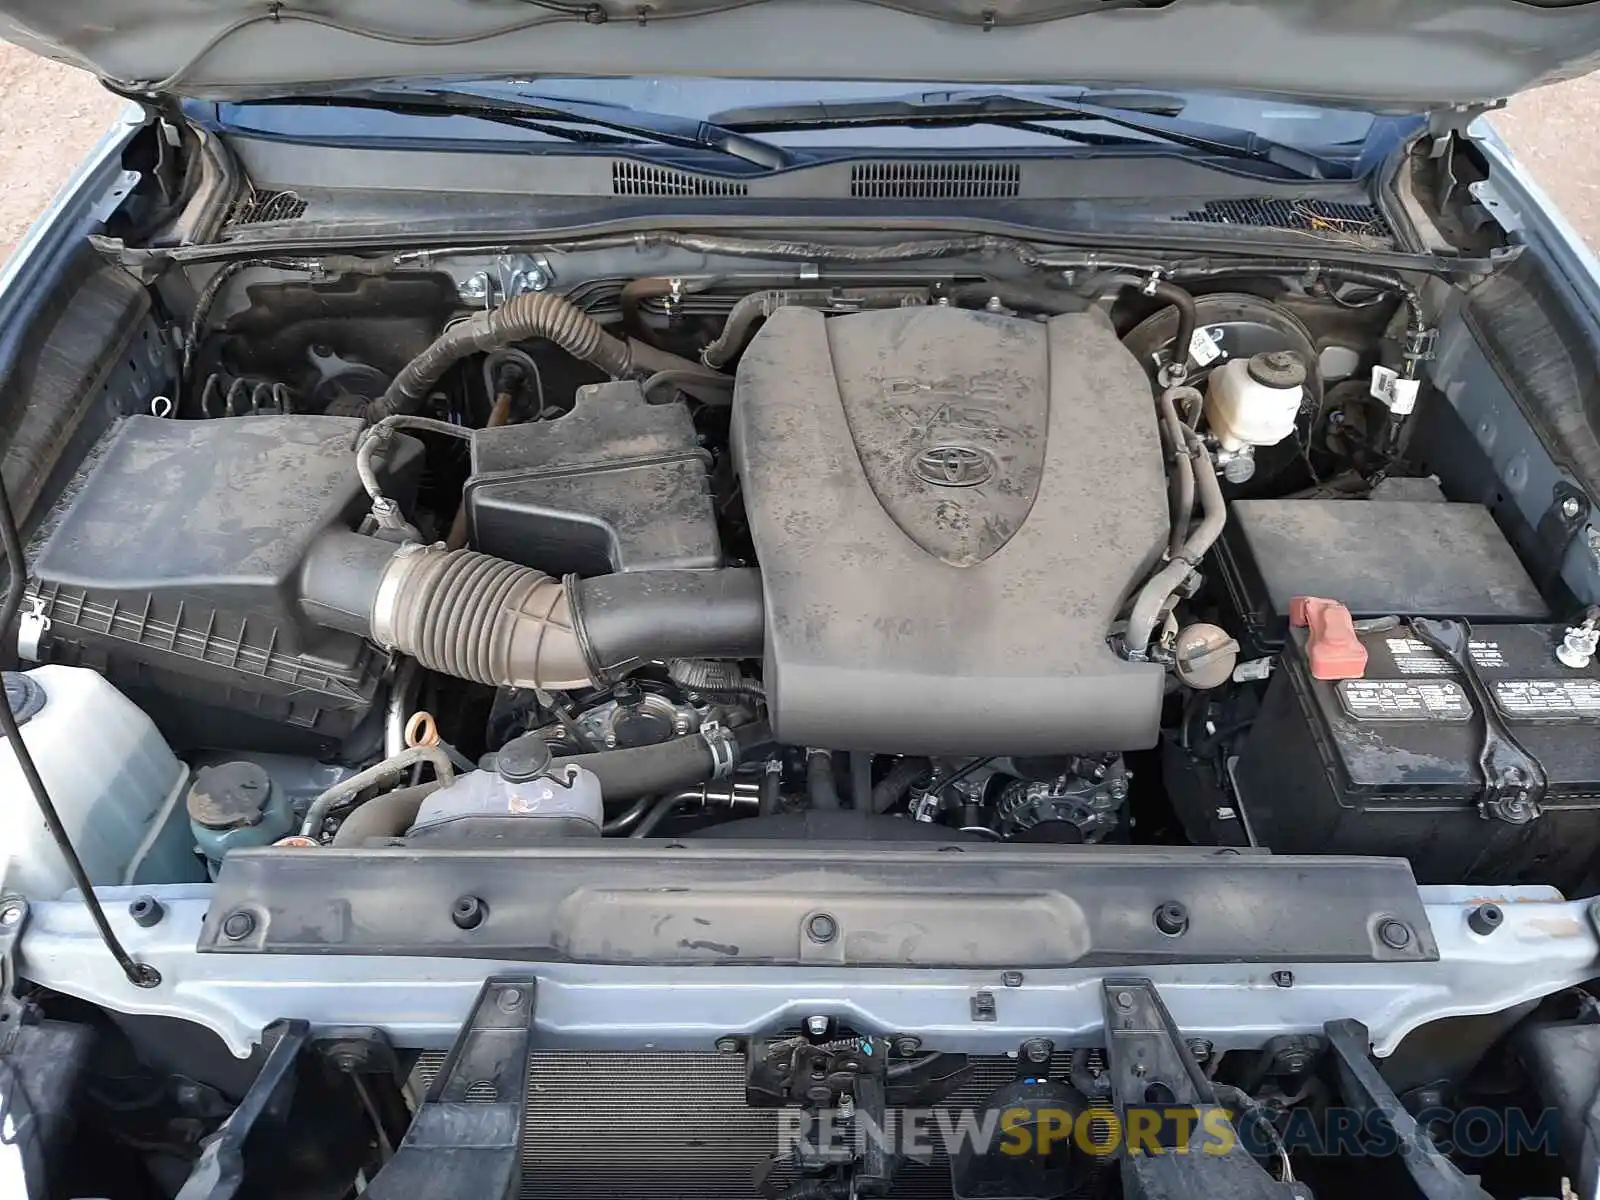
(1578, 647)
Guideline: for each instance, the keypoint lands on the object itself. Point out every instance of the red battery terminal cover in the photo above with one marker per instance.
(1333, 648)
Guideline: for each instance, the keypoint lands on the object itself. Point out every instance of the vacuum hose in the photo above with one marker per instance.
(494, 622)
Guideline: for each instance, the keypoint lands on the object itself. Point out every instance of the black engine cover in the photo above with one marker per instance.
(949, 508)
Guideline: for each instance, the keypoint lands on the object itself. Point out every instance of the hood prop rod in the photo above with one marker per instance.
(139, 974)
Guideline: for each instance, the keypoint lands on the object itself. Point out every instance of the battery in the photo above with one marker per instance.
(1389, 764)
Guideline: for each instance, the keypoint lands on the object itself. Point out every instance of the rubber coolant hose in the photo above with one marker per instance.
(623, 774)
(645, 770)
(390, 768)
(821, 789)
(385, 816)
(892, 788)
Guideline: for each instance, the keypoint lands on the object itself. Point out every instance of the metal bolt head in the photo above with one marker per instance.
(1200, 1048)
(906, 1045)
(727, 1045)
(1172, 918)
(510, 1000)
(1394, 934)
(817, 1026)
(821, 928)
(1124, 1000)
(1570, 507)
(1038, 1050)
(1011, 978)
(237, 926)
(10, 915)
(468, 912)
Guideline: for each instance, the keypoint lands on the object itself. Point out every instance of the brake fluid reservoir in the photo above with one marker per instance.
(1255, 401)
(114, 782)
(524, 798)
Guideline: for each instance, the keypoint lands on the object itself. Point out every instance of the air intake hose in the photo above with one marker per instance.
(534, 315)
(494, 622)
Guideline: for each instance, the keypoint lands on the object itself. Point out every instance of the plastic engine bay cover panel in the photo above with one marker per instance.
(949, 508)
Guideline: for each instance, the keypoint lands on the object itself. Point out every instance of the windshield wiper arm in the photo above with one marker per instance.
(1143, 114)
(491, 103)
(799, 114)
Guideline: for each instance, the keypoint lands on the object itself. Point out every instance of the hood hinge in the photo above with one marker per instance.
(1453, 119)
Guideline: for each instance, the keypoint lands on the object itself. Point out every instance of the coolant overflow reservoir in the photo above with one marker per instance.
(525, 798)
(1255, 401)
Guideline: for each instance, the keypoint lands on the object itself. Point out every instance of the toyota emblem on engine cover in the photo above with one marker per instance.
(951, 465)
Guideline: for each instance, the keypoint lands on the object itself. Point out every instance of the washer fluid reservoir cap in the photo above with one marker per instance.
(25, 696)
(523, 759)
(1278, 369)
(230, 796)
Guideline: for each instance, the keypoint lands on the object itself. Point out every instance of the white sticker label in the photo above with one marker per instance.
(1404, 700)
(1398, 395)
(1205, 348)
(1548, 697)
(1413, 657)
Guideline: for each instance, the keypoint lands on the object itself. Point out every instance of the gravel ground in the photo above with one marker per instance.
(51, 115)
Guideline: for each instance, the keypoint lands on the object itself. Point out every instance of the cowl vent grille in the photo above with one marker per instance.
(1311, 216)
(260, 208)
(641, 179)
(954, 180)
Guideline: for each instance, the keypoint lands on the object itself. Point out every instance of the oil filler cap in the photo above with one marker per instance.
(1334, 650)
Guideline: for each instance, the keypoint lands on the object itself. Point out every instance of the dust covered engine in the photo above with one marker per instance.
(950, 508)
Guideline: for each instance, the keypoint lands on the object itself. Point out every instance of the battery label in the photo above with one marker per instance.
(1404, 700)
(1413, 657)
(1550, 698)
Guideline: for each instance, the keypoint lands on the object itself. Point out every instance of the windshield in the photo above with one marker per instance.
(1342, 132)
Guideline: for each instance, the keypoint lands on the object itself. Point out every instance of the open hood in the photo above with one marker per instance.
(1388, 54)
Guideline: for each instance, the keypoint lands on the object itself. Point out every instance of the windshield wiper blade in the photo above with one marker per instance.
(515, 107)
(1143, 115)
(425, 108)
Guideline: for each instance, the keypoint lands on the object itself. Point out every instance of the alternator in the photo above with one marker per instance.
(1089, 797)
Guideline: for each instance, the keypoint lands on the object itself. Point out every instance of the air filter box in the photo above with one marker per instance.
(172, 566)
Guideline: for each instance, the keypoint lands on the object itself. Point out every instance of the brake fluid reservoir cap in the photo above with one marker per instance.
(523, 759)
(1278, 369)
